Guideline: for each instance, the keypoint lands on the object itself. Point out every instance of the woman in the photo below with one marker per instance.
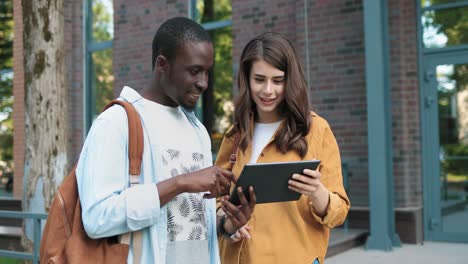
(273, 123)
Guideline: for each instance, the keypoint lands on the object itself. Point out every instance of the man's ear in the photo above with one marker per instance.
(162, 64)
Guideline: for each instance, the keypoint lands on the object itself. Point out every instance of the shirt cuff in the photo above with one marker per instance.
(333, 206)
(142, 206)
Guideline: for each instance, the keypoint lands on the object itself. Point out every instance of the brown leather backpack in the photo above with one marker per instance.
(64, 239)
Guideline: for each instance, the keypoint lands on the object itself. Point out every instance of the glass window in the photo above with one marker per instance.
(99, 74)
(102, 80)
(213, 10)
(445, 27)
(222, 84)
(427, 3)
(452, 90)
(6, 99)
(217, 101)
(103, 20)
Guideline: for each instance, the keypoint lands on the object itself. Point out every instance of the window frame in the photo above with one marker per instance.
(89, 47)
(209, 26)
(438, 7)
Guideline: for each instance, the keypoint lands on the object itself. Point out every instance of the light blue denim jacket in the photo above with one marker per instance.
(109, 206)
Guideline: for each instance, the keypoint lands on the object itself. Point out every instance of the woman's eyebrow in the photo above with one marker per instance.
(274, 77)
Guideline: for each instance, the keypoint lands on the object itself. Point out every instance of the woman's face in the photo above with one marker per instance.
(267, 90)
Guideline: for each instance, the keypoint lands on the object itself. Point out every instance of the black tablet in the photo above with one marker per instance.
(270, 180)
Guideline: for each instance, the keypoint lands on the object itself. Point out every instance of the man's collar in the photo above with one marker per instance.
(130, 95)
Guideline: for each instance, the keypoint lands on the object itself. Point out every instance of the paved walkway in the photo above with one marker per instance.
(428, 253)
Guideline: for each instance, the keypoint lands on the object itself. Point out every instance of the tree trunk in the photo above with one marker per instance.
(46, 124)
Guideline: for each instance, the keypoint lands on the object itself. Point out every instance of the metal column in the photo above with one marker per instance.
(382, 217)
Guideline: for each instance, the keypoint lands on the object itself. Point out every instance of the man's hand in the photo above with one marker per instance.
(243, 232)
(215, 180)
(239, 216)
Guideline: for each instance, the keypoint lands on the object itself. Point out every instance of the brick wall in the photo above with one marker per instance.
(338, 88)
(73, 13)
(253, 17)
(336, 56)
(338, 80)
(18, 103)
(337, 71)
(135, 24)
(405, 103)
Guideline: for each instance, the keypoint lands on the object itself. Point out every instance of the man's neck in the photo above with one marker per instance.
(154, 93)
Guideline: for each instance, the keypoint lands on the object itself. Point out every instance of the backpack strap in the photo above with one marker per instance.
(135, 138)
(135, 155)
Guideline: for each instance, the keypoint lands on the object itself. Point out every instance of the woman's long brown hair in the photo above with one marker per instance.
(277, 51)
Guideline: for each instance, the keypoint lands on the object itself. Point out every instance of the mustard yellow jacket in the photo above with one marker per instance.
(289, 232)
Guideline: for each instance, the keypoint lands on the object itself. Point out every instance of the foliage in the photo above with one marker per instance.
(102, 25)
(5, 260)
(447, 123)
(425, 3)
(6, 81)
(103, 76)
(6, 34)
(216, 10)
(453, 23)
(453, 165)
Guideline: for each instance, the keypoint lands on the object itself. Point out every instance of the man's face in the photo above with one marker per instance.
(188, 73)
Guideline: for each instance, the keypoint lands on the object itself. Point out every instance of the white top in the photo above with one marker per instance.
(173, 140)
(262, 134)
(182, 152)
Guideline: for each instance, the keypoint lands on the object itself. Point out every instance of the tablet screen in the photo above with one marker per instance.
(270, 180)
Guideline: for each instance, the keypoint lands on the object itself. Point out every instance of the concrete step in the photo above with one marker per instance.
(10, 238)
(10, 204)
(342, 240)
(10, 228)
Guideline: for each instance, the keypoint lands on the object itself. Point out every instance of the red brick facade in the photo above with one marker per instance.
(135, 23)
(337, 70)
(74, 62)
(338, 87)
(405, 103)
(18, 104)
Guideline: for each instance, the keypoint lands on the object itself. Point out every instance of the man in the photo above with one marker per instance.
(169, 205)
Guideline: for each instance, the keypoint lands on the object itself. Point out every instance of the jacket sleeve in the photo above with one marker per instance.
(109, 207)
(332, 179)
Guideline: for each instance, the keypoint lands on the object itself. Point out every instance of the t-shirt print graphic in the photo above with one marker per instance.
(186, 212)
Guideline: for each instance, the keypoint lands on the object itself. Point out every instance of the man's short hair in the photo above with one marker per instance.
(173, 34)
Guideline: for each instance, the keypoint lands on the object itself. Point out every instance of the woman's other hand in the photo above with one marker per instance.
(309, 184)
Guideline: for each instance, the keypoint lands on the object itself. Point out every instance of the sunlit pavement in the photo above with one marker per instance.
(428, 253)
